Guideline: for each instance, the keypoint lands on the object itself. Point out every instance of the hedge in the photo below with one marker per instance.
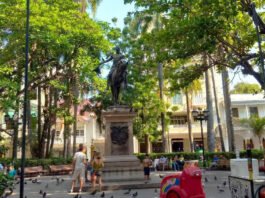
(258, 154)
(36, 162)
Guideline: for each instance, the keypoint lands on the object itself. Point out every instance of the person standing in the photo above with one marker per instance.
(97, 165)
(147, 162)
(79, 166)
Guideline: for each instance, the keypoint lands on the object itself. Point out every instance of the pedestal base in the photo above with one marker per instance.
(122, 168)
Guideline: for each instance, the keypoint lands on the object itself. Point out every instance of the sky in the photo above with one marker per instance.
(108, 9)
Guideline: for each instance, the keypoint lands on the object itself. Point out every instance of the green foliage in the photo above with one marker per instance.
(36, 162)
(256, 123)
(257, 154)
(246, 88)
(189, 155)
(5, 182)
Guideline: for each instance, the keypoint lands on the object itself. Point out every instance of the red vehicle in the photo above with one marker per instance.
(186, 184)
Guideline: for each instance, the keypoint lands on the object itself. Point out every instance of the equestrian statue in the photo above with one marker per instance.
(117, 77)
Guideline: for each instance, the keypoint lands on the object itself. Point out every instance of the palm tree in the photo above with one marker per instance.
(257, 126)
(228, 113)
(93, 4)
(210, 121)
(217, 113)
(193, 88)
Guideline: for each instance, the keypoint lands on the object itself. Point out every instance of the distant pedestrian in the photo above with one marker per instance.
(79, 166)
(147, 162)
(12, 172)
(97, 165)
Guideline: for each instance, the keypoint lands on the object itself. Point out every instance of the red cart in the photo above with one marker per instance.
(186, 184)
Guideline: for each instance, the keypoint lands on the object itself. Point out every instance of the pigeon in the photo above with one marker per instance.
(94, 192)
(206, 179)
(221, 190)
(38, 182)
(128, 192)
(161, 176)
(41, 192)
(155, 190)
(25, 182)
(44, 194)
(135, 194)
(215, 178)
(224, 183)
(62, 180)
(76, 196)
(102, 195)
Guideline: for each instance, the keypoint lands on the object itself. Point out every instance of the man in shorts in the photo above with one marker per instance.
(79, 167)
(147, 162)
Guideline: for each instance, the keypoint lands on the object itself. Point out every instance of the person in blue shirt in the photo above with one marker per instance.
(12, 172)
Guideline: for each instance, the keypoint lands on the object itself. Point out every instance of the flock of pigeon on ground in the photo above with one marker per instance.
(43, 193)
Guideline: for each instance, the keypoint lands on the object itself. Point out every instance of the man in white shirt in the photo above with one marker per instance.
(79, 167)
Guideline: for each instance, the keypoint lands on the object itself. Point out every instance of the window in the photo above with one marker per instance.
(248, 143)
(57, 134)
(253, 111)
(178, 120)
(177, 99)
(177, 145)
(235, 113)
(80, 133)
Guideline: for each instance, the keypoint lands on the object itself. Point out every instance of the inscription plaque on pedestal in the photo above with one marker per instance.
(119, 138)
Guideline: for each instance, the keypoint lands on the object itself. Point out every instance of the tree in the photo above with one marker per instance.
(210, 121)
(189, 91)
(64, 43)
(228, 111)
(257, 126)
(217, 112)
(246, 88)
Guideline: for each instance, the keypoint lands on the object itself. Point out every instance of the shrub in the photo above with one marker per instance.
(188, 155)
(257, 154)
(5, 182)
(36, 162)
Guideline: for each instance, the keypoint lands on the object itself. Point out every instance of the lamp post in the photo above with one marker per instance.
(25, 102)
(201, 115)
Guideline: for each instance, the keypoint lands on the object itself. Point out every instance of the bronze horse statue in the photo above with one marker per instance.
(117, 77)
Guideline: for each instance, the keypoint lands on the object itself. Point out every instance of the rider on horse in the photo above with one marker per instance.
(117, 59)
(117, 77)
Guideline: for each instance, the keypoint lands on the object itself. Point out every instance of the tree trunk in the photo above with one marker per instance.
(75, 93)
(50, 124)
(209, 100)
(188, 104)
(39, 120)
(160, 78)
(228, 113)
(217, 113)
(46, 123)
(16, 127)
(55, 98)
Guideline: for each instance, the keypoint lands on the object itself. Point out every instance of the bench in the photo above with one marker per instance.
(60, 169)
(223, 164)
(33, 171)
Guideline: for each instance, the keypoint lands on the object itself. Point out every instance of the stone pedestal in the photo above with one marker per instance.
(119, 162)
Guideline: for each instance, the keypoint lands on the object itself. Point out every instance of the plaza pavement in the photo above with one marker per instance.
(49, 185)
